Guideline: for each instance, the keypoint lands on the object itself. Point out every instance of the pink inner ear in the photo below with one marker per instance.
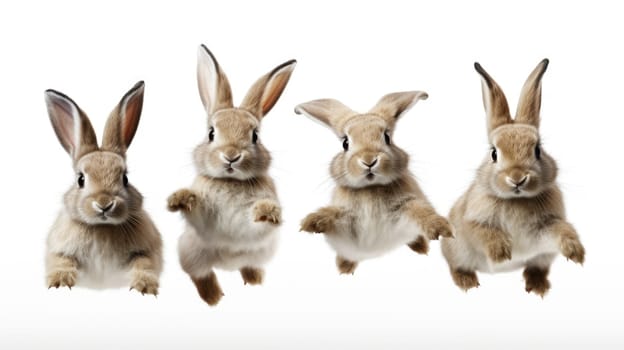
(274, 90)
(130, 122)
(63, 123)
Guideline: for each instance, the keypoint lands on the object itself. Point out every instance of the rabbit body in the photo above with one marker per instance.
(513, 215)
(102, 238)
(231, 210)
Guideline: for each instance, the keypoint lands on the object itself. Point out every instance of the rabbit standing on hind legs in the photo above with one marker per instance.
(512, 216)
(377, 205)
(231, 209)
(103, 238)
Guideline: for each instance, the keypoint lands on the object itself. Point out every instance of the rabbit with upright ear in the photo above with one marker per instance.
(231, 209)
(102, 238)
(512, 216)
(377, 205)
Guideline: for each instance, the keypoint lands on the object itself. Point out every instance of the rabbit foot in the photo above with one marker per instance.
(438, 227)
(145, 283)
(465, 279)
(420, 245)
(499, 251)
(62, 278)
(536, 280)
(252, 275)
(184, 200)
(573, 250)
(346, 267)
(208, 288)
(267, 211)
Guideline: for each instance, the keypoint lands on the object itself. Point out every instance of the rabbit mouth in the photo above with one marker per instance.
(370, 176)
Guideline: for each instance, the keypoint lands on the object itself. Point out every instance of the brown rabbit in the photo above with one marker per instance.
(231, 209)
(512, 216)
(377, 205)
(102, 238)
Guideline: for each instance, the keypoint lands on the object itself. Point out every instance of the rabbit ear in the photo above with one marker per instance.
(392, 106)
(214, 87)
(71, 125)
(330, 112)
(124, 120)
(267, 90)
(528, 111)
(494, 101)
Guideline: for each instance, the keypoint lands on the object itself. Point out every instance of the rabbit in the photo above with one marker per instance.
(377, 204)
(231, 209)
(512, 216)
(102, 238)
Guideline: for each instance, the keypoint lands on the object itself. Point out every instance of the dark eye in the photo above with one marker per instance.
(81, 180)
(387, 138)
(345, 143)
(125, 180)
(211, 134)
(254, 137)
(494, 155)
(538, 152)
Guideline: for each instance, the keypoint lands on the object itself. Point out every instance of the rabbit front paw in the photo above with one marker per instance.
(318, 222)
(62, 278)
(499, 251)
(184, 200)
(145, 283)
(267, 211)
(438, 227)
(573, 250)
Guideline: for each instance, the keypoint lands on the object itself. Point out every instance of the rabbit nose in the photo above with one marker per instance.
(369, 164)
(232, 159)
(98, 206)
(515, 182)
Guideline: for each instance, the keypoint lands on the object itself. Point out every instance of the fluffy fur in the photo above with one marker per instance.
(512, 216)
(102, 238)
(377, 205)
(231, 209)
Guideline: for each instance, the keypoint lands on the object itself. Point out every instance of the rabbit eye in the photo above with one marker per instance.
(538, 152)
(125, 180)
(387, 138)
(494, 155)
(81, 180)
(254, 137)
(211, 134)
(345, 143)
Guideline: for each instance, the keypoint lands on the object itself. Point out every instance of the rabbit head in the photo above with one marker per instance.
(101, 193)
(232, 148)
(517, 165)
(368, 157)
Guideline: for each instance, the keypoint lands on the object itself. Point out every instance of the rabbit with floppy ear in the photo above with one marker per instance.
(512, 216)
(231, 209)
(102, 238)
(377, 205)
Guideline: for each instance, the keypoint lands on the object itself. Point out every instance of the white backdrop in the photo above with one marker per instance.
(355, 52)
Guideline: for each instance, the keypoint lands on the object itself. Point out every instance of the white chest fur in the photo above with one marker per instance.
(371, 231)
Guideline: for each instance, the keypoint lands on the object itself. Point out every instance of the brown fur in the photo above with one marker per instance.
(514, 206)
(232, 210)
(63, 271)
(322, 221)
(208, 288)
(465, 279)
(536, 280)
(122, 238)
(252, 275)
(183, 199)
(376, 199)
(345, 267)
(420, 245)
(267, 210)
